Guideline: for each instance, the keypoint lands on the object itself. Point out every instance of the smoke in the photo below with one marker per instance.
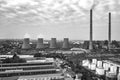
(26, 35)
(95, 3)
(40, 36)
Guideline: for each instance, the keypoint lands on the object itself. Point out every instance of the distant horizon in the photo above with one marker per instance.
(56, 39)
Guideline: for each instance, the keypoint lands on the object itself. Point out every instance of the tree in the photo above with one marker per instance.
(115, 43)
(106, 42)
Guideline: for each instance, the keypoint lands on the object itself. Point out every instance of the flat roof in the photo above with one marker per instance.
(38, 70)
(24, 63)
(26, 66)
(39, 76)
(31, 76)
(112, 62)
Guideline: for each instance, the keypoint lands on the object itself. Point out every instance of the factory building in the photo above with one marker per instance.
(42, 69)
(109, 69)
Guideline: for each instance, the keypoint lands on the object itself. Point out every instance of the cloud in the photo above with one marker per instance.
(56, 10)
(86, 4)
(11, 3)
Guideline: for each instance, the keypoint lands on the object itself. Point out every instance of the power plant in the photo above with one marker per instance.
(40, 44)
(26, 43)
(95, 66)
(53, 43)
(77, 43)
(66, 43)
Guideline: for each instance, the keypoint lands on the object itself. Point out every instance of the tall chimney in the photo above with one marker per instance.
(109, 32)
(65, 43)
(91, 32)
(53, 43)
(40, 44)
(26, 44)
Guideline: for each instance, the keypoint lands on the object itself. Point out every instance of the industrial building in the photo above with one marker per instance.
(101, 69)
(33, 69)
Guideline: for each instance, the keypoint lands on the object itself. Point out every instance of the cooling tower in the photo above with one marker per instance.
(65, 43)
(53, 44)
(40, 44)
(91, 32)
(109, 32)
(26, 44)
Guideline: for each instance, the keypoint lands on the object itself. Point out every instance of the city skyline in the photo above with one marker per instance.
(58, 18)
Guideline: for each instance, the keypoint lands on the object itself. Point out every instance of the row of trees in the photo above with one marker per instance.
(9, 46)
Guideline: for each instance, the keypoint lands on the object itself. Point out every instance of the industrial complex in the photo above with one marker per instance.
(62, 60)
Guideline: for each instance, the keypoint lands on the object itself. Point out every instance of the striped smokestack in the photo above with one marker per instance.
(26, 43)
(91, 32)
(109, 32)
(65, 43)
(53, 43)
(40, 44)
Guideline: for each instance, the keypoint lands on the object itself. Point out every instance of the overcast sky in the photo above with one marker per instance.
(58, 18)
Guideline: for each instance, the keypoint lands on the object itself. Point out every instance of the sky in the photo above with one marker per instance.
(58, 18)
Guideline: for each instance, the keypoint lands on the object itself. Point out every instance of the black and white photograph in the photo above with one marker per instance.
(59, 39)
